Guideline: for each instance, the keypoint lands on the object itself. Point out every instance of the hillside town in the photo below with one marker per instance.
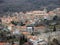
(38, 27)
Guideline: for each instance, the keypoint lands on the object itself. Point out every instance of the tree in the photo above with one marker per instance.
(54, 29)
(0, 20)
(55, 18)
(46, 21)
(21, 23)
(55, 42)
(22, 40)
(32, 34)
(14, 22)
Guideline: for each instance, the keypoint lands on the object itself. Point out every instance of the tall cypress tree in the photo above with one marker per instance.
(54, 29)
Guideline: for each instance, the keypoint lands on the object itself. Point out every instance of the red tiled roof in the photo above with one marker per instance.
(2, 43)
(51, 12)
(25, 33)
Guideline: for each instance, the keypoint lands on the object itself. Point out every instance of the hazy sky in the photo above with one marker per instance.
(19, 5)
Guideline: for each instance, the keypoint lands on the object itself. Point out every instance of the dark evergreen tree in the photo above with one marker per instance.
(54, 29)
(0, 20)
(22, 40)
(15, 23)
(32, 33)
(55, 42)
(55, 18)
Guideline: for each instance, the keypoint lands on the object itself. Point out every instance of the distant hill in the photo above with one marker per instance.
(27, 5)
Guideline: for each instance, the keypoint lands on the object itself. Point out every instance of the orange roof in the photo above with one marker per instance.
(28, 22)
(2, 43)
(17, 26)
(14, 44)
(29, 36)
(23, 27)
(11, 25)
(25, 33)
(34, 37)
(51, 12)
(40, 27)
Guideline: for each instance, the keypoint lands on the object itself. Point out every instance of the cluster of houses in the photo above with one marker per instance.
(31, 23)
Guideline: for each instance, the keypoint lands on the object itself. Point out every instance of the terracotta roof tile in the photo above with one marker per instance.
(25, 33)
(2, 43)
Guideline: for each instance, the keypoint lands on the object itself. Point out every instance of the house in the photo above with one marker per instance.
(2, 43)
(37, 41)
(6, 19)
(23, 28)
(26, 33)
(40, 28)
(30, 29)
(51, 14)
(10, 27)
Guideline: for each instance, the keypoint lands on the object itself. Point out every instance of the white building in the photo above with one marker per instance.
(38, 41)
(30, 29)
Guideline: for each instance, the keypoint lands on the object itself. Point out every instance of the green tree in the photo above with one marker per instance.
(54, 29)
(22, 40)
(55, 17)
(14, 22)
